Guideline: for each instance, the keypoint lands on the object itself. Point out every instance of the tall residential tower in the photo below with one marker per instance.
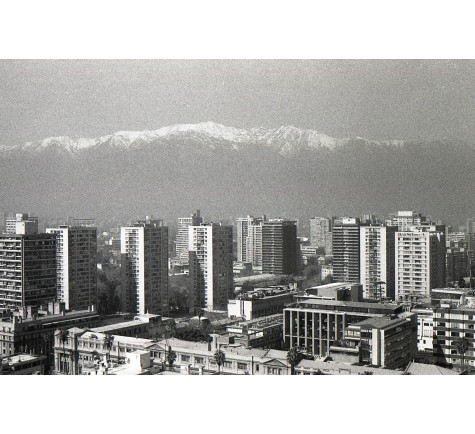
(76, 252)
(27, 270)
(211, 265)
(279, 247)
(144, 251)
(182, 235)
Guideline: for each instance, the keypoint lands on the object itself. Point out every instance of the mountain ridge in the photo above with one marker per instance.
(286, 139)
(229, 171)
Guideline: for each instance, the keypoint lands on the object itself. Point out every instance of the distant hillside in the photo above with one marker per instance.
(228, 171)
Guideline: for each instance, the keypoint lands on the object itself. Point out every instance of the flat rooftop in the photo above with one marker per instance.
(54, 318)
(335, 368)
(21, 358)
(118, 326)
(350, 305)
(379, 322)
(423, 369)
(335, 285)
(256, 278)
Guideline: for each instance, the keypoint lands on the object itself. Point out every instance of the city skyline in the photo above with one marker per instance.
(389, 127)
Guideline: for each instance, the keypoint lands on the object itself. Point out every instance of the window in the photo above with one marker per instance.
(185, 358)
(199, 360)
(242, 366)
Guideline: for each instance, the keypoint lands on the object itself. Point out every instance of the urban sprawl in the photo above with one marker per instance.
(371, 295)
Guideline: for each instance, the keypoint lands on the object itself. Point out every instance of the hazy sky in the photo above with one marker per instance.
(372, 99)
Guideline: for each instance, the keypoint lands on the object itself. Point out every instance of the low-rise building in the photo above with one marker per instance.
(238, 360)
(265, 332)
(260, 302)
(385, 342)
(76, 349)
(315, 325)
(26, 331)
(141, 326)
(338, 291)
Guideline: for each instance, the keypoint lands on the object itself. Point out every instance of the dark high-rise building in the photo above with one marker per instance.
(27, 270)
(279, 247)
(76, 251)
(320, 233)
(346, 250)
(457, 264)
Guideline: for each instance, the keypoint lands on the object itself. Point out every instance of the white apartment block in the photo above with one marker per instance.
(377, 261)
(76, 256)
(211, 265)
(320, 233)
(254, 245)
(249, 239)
(420, 261)
(144, 251)
(182, 235)
(22, 224)
(404, 219)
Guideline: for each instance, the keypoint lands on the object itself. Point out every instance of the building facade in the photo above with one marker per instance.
(260, 302)
(27, 270)
(404, 219)
(279, 247)
(346, 250)
(211, 265)
(316, 325)
(377, 261)
(420, 261)
(320, 233)
(450, 325)
(144, 269)
(182, 240)
(21, 223)
(249, 240)
(76, 253)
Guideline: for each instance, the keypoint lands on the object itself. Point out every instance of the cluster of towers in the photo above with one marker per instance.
(58, 265)
(401, 259)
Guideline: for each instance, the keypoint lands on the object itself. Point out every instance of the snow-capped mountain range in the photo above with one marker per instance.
(286, 171)
(286, 140)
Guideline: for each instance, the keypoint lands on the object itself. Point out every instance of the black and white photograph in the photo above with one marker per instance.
(186, 216)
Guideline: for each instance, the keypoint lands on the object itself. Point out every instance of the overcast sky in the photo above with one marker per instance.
(372, 99)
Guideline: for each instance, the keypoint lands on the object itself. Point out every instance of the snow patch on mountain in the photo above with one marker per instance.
(286, 140)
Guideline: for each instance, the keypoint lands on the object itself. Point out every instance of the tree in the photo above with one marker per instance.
(108, 341)
(328, 279)
(294, 356)
(171, 357)
(219, 358)
(63, 337)
(462, 345)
